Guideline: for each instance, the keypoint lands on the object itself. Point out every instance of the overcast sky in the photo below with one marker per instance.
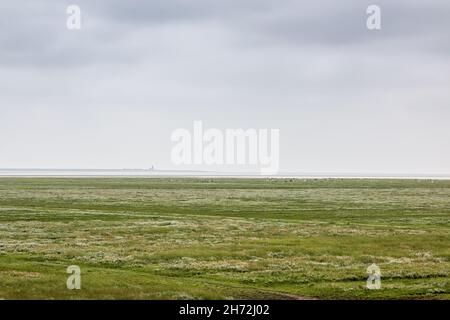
(345, 99)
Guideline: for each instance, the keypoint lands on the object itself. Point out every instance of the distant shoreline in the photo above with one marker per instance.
(142, 173)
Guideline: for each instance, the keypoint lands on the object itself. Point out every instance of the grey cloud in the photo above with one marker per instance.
(34, 32)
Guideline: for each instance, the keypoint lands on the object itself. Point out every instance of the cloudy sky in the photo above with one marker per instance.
(345, 99)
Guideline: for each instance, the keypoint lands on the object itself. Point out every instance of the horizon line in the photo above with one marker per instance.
(134, 172)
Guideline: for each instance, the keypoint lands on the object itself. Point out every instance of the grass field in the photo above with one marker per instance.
(181, 238)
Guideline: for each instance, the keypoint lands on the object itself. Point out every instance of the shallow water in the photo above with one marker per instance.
(178, 173)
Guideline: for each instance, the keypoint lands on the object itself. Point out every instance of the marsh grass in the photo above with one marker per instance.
(166, 238)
